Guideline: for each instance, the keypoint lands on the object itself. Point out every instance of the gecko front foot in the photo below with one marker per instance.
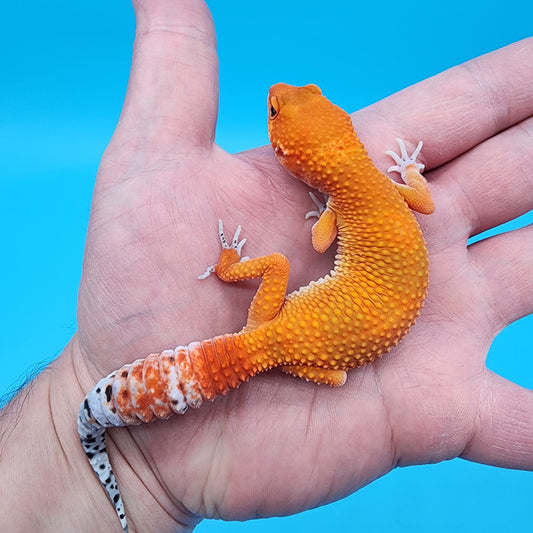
(324, 230)
(235, 247)
(404, 159)
(414, 188)
(322, 206)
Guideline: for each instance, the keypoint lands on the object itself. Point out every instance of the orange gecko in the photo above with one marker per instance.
(346, 319)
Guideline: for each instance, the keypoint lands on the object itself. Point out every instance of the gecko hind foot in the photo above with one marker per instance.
(235, 244)
(333, 378)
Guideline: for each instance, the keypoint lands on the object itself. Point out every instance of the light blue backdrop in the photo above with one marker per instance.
(64, 68)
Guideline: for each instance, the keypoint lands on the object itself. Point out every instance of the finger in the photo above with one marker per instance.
(455, 110)
(505, 262)
(172, 94)
(503, 435)
(489, 185)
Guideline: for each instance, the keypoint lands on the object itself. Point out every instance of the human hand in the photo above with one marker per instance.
(162, 185)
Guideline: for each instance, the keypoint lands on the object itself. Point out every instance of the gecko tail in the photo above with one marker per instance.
(155, 387)
(92, 437)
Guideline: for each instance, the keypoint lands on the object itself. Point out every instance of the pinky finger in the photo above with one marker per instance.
(503, 434)
(505, 261)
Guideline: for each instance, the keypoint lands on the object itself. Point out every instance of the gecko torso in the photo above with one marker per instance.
(356, 313)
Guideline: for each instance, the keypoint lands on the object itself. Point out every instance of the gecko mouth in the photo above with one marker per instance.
(280, 152)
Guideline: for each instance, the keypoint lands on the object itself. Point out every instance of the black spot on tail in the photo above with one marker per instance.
(86, 408)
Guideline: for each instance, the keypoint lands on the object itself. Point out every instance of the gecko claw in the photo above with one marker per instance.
(209, 270)
(235, 240)
(239, 247)
(404, 159)
(234, 245)
(322, 206)
(221, 235)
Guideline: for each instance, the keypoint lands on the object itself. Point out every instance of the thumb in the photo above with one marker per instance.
(172, 97)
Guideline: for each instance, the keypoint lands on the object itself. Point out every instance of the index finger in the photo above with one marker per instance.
(456, 109)
(479, 111)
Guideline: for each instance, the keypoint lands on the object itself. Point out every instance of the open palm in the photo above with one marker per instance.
(279, 445)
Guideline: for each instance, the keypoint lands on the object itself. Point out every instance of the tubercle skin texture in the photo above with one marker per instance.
(348, 318)
(379, 282)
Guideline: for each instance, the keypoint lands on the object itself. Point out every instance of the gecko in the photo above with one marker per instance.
(346, 319)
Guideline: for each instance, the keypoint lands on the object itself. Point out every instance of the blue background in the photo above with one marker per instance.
(64, 68)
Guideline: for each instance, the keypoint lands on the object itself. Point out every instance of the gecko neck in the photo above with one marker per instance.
(342, 169)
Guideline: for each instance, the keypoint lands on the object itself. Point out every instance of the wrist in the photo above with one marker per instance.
(42, 486)
(46, 482)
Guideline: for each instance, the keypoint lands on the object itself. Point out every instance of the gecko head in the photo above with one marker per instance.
(302, 125)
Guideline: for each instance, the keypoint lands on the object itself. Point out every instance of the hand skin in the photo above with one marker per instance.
(278, 445)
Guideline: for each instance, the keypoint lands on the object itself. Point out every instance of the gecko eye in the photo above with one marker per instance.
(274, 108)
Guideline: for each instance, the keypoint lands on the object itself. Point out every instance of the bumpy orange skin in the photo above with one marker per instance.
(348, 318)
(375, 292)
